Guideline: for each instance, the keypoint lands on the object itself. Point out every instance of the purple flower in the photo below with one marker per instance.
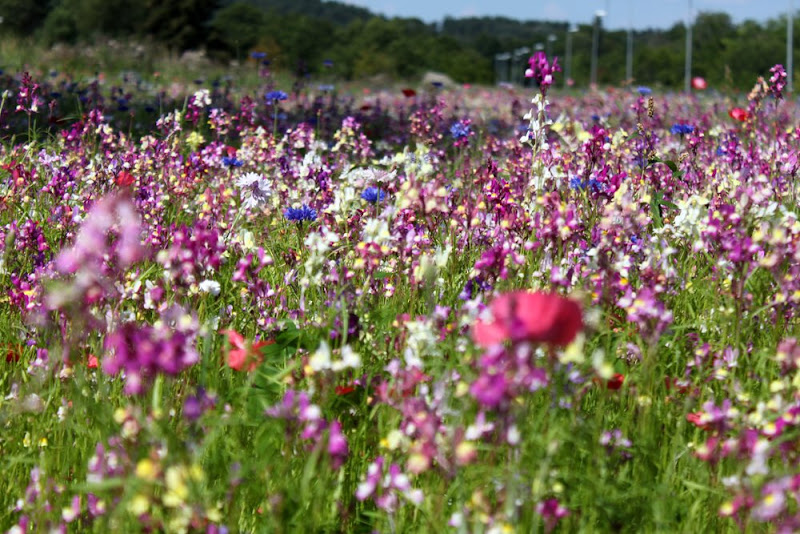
(777, 81)
(489, 389)
(337, 444)
(145, 351)
(542, 71)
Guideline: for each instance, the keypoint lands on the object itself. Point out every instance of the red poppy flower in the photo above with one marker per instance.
(699, 83)
(697, 419)
(92, 362)
(344, 390)
(231, 151)
(739, 114)
(243, 353)
(124, 179)
(530, 316)
(616, 381)
(409, 92)
(13, 353)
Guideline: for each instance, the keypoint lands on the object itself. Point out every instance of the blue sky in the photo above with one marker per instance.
(643, 14)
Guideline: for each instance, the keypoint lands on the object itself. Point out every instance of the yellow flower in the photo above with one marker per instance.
(146, 470)
(139, 505)
(177, 490)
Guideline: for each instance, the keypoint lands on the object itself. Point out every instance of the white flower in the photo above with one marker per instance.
(254, 188)
(202, 98)
(422, 341)
(209, 286)
(322, 359)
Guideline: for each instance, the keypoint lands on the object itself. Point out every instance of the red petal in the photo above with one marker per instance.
(616, 381)
(234, 338)
(237, 359)
(344, 390)
(739, 114)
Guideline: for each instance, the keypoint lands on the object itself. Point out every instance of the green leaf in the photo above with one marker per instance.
(669, 163)
(655, 210)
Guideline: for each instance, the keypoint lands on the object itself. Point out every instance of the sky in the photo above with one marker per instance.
(620, 13)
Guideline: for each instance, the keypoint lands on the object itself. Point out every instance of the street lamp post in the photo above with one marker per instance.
(598, 19)
(629, 51)
(688, 66)
(568, 63)
(519, 67)
(790, 46)
(500, 61)
(550, 40)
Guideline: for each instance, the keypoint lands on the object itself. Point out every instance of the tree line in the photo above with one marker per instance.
(310, 36)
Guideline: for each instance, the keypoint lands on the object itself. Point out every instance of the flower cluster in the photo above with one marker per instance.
(542, 71)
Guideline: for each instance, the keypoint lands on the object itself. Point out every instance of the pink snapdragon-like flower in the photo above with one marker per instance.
(541, 70)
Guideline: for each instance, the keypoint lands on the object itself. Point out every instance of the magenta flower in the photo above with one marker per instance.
(541, 70)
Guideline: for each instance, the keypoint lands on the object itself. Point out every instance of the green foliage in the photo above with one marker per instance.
(299, 34)
(21, 17)
(238, 26)
(180, 24)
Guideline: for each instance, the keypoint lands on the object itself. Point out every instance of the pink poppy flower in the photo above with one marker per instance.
(530, 316)
(699, 83)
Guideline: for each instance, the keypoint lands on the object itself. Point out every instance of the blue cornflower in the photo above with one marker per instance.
(328, 63)
(301, 214)
(258, 55)
(232, 161)
(643, 90)
(275, 96)
(373, 195)
(460, 130)
(437, 85)
(681, 129)
(576, 183)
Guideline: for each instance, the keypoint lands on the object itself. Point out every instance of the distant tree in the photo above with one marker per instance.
(179, 24)
(238, 27)
(710, 34)
(23, 17)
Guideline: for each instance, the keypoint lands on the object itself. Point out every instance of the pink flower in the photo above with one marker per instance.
(530, 316)
(699, 83)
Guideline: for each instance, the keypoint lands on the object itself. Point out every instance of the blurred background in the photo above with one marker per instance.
(726, 42)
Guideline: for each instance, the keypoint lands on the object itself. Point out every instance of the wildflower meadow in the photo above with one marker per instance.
(272, 308)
